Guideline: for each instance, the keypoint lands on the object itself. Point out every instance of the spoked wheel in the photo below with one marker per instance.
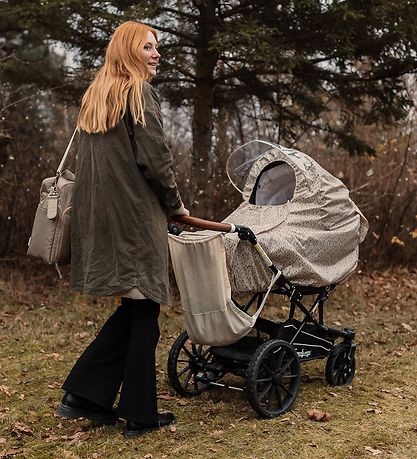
(273, 378)
(341, 364)
(186, 362)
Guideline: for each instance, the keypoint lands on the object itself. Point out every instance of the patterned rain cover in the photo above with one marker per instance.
(313, 237)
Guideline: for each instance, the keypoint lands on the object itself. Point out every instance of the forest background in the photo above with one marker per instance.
(335, 79)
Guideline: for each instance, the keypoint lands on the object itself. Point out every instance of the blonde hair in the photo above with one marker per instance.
(120, 78)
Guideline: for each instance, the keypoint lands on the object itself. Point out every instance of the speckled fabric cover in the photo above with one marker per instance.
(314, 238)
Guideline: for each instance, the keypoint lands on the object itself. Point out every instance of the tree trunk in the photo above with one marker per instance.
(202, 122)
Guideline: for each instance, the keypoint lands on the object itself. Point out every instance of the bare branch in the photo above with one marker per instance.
(175, 32)
(174, 80)
(180, 13)
(43, 91)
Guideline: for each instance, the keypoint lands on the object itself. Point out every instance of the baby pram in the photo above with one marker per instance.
(311, 231)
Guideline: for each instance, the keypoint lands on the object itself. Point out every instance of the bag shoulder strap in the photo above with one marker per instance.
(64, 158)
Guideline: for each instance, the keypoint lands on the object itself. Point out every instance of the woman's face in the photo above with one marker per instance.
(150, 54)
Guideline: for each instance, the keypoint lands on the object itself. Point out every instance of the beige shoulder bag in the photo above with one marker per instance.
(51, 232)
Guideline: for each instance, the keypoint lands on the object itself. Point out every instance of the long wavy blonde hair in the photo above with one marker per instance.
(120, 78)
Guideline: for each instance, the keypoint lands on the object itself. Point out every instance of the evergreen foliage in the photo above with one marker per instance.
(310, 65)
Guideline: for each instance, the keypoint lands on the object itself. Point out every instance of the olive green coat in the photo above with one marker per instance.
(124, 186)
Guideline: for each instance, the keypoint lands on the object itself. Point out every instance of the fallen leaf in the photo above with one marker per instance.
(333, 394)
(54, 356)
(313, 445)
(374, 411)
(166, 397)
(373, 451)
(397, 240)
(408, 327)
(172, 429)
(11, 452)
(19, 429)
(217, 433)
(7, 390)
(283, 419)
(148, 456)
(51, 438)
(79, 436)
(3, 440)
(318, 415)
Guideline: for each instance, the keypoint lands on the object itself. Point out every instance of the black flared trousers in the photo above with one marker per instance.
(122, 354)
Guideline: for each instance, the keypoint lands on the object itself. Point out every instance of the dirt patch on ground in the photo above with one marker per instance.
(44, 326)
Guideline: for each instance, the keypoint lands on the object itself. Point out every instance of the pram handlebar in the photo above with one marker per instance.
(203, 224)
(244, 233)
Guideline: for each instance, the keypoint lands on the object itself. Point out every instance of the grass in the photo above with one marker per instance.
(44, 327)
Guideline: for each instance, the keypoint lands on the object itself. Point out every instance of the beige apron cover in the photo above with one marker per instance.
(199, 262)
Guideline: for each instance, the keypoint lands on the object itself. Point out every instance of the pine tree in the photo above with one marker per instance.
(302, 61)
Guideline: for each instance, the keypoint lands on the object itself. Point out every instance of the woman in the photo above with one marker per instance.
(124, 192)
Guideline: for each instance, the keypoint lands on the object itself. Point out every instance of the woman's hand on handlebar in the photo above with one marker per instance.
(178, 212)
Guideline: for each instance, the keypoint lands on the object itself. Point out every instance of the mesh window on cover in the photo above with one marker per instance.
(275, 185)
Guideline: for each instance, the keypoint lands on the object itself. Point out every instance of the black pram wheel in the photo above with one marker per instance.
(341, 364)
(186, 362)
(273, 378)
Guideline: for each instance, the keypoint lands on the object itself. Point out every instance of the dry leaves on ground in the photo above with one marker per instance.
(166, 396)
(318, 415)
(10, 452)
(374, 411)
(18, 429)
(373, 451)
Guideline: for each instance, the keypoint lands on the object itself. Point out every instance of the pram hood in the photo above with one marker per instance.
(302, 215)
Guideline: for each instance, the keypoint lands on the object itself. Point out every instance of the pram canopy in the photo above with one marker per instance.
(301, 214)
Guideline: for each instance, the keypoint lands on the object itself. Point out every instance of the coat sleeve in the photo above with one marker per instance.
(152, 153)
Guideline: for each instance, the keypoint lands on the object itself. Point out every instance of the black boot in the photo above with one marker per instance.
(134, 429)
(74, 407)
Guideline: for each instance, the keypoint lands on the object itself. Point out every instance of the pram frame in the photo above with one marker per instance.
(209, 372)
